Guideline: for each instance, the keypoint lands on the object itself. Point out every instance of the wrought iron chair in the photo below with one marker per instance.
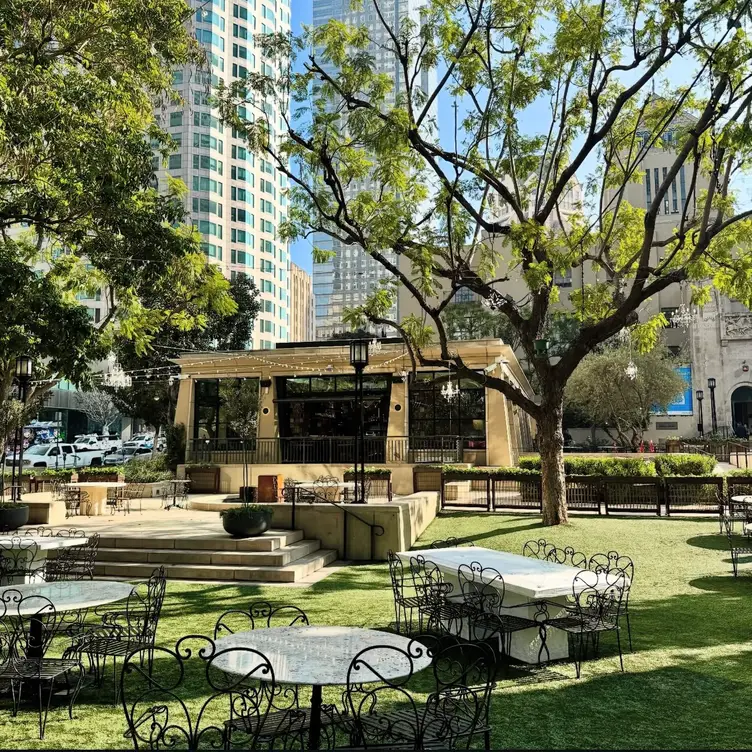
(19, 561)
(74, 498)
(132, 493)
(124, 631)
(615, 562)
(596, 608)
(259, 615)
(27, 627)
(568, 557)
(350, 494)
(43, 531)
(77, 562)
(117, 500)
(734, 541)
(489, 618)
(158, 687)
(384, 713)
(537, 549)
(452, 542)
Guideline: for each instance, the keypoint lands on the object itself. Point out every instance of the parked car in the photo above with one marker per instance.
(91, 456)
(48, 455)
(126, 454)
(141, 439)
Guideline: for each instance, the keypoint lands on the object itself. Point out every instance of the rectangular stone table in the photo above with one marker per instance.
(525, 580)
(10, 545)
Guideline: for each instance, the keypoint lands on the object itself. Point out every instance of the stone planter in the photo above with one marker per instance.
(13, 516)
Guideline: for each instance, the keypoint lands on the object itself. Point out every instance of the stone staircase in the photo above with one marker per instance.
(276, 557)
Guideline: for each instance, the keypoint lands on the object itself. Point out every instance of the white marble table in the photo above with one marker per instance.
(39, 551)
(97, 495)
(319, 656)
(68, 595)
(525, 580)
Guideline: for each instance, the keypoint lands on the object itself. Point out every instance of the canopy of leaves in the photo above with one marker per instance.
(601, 390)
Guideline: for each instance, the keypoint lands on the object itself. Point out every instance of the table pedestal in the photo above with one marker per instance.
(96, 503)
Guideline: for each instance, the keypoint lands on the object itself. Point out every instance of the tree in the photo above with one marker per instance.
(240, 399)
(544, 94)
(153, 395)
(98, 407)
(472, 320)
(602, 389)
(77, 195)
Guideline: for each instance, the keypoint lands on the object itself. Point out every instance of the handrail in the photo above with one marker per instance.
(744, 447)
(316, 497)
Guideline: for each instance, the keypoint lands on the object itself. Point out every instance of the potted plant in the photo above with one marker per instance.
(241, 404)
(247, 520)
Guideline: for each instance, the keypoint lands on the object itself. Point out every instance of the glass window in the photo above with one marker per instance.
(176, 119)
(175, 162)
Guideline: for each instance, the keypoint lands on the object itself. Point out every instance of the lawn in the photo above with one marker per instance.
(687, 685)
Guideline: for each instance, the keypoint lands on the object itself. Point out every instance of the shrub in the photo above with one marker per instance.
(147, 471)
(606, 466)
(247, 510)
(175, 445)
(105, 470)
(373, 472)
(684, 464)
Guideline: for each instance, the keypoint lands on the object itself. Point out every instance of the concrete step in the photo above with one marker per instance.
(271, 540)
(279, 557)
(295, 571)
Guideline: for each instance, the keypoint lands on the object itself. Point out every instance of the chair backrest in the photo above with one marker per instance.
(426, 578)
(728, 527)
(17, 560)
(464, 674)
(451, 542)
(482, 587)
(259, 615)
(537, 549)
(613, 561)
(144, 607)
(568, 556)
(598, 595)
(159, 686)
(32, 620)
(71, 533)
(39, 532)
(377, 681)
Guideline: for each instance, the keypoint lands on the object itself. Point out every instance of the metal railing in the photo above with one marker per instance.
(730, 451)
(295, 495)
(330, 450)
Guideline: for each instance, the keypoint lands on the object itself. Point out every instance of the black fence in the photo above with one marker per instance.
(587, 493)
(327, 450)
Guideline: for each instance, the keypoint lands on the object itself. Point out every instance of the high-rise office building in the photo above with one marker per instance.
(235, 198)
(301, 305)
(351, 275)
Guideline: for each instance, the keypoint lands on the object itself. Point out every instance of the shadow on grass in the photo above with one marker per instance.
(709, 542)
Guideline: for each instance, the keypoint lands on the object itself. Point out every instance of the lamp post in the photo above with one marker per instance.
(713, 417)
(359, 360)
(700, 426)
(23, 371)
(59, 421)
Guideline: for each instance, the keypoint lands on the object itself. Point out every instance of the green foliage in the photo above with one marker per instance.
(373, 472)
(175, 445)
(606, 466)
(248, 511)
(457, 472)
(684, 464)
(147, 471)
(601, 390)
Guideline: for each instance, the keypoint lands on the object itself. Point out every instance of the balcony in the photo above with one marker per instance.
(336, 450)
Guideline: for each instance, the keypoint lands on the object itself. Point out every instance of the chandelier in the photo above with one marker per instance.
(449, 390)
(374, 347)
(631, 370)
(682, 317)
(494, 301)
(117, 378)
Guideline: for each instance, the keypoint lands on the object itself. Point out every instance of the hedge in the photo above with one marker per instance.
(374, 472)
(147, 471)
(605, 466)
(684, 464)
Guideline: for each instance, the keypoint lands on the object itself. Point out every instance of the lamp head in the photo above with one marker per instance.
(711, 383)
(359, 353)
(24, 367)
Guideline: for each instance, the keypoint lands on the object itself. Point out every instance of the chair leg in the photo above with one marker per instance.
(579, 652)
(44, 709)
(618, 645)
(629, 630)
(486, 740)
(76, 690)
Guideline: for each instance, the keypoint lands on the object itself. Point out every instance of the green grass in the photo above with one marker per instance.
(687, 685)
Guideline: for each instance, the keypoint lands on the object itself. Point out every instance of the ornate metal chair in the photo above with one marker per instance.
(124, 631)
(74, 498)
(615, 562)
(158, 690)
(384, 713)
(568, 556)
(19, 561)
(452, 542)
(27, 626)
(597, 598)
(77, 562)
(259, 615)
(537, 549)
(736, 544)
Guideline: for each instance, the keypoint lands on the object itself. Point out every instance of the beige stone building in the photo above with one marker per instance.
(301, 305)
(308, 415)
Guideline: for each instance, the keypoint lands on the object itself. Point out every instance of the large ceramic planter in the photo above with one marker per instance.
(246, 525)
(14, 516)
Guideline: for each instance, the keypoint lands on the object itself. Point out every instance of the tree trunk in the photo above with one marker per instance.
(551, 440)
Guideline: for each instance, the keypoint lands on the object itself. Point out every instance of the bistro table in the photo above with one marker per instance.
(526, 580)
(37, 547)
(97, 494)
(66, 595)
(319, 656)
(746, 503)
(175, 484)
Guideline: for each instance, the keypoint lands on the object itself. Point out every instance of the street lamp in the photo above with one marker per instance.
(700, 426)
(359, 361)
(713, 417)
(23, 371)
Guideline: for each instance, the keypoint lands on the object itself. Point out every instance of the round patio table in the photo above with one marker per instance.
(37, 547)
(97, 493)
(319, 656)
(66, 595)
